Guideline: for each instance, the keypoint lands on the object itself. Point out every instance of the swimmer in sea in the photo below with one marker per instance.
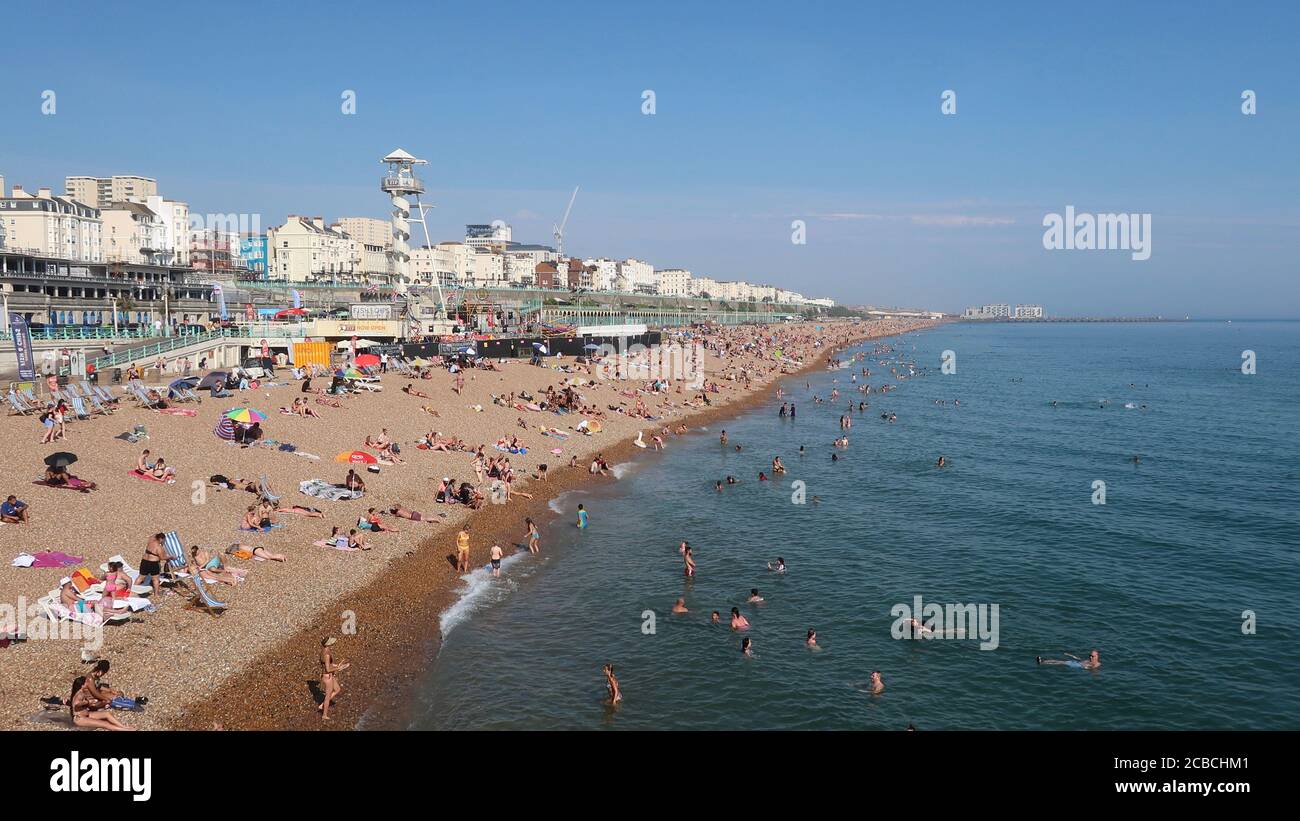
(754, 598)
(941, 463)
(738, 622)
(611, 683)
(835, 457)
(811, 640)
(762, 477)
(716, 618)
(801, 450)
(680, 606)
(779, 567)
(732, 480)
(1093, 662)
(718, 485)
(777, 467)
(877, 686)
(919, 629)
(723, 438)
(688, 562)
(747, 647)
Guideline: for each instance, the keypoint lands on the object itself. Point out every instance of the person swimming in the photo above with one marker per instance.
(680, 606)
(747, 647)
(779, 567)
(1093, 662)
(754, 598)
(738, 622)
(941, 463)
(811, 640)
(715, 618)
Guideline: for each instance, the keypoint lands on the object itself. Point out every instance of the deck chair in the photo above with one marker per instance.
(30, 398)
(18, 405)
(176, 563)
(79, 407)
(104, 394)
(52, 608)
(95, 405)
(264, 489)
(137, 390)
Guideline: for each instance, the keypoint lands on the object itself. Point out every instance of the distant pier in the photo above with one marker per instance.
(1014, 321)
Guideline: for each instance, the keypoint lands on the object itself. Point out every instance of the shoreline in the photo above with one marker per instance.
(390, 651)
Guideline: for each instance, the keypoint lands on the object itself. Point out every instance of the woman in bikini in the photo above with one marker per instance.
(211, 569)
(534, 538)
(86, 710)
(329, 678)
(244, 551)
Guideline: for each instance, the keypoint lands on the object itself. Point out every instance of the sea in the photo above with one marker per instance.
(1125, 488)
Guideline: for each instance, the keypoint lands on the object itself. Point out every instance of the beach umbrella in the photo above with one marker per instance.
(245, 415)
(184, 382)
(353, 373)
(211, 380)
(61, 459)
(420, 362)
(366, 360)
(540, 348)
(288, 312)
(225, 429)
(356, 457)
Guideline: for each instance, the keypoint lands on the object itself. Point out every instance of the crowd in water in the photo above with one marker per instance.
(749, 353)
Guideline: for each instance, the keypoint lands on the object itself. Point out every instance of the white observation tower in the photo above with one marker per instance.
(400, 183)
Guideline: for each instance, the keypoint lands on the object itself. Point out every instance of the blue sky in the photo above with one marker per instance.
(766, 113)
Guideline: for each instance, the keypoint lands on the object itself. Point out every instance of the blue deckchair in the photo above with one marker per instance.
(176, 562)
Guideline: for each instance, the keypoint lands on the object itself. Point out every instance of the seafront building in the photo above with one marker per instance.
(1003, 311)
(102, 192)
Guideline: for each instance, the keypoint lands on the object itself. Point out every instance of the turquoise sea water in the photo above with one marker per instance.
(1205, 527)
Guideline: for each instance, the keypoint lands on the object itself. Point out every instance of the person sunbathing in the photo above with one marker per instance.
(413, 515)
(388, 453)
(373, 523)
(87, 711)
(302, 510)
(211, 570)
(379, 442)
(357, 541)
(328, 402)
(71, 599)
(162, 472)
(58, 476)
(243, 551)
(410, 389)
(255, 520)
(304, 410)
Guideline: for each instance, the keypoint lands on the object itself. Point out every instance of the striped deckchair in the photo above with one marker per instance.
(176, 562)
(264, 489)
(19, 405)
(79, 407)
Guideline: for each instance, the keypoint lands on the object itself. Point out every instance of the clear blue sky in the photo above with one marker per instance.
(766, 113)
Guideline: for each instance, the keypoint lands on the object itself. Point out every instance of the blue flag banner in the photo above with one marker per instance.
(22, 336)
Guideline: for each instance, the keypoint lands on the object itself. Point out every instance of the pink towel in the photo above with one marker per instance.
(55, 559)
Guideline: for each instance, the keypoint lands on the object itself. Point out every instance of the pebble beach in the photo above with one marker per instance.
(255, 665)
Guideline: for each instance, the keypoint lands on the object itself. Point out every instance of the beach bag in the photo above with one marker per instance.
(241, 552)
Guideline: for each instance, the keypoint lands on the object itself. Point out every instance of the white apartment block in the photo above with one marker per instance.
(604, 273)
(785, 297)
(823, 302)
(496, 235)
(175, 218)
(51, 226)
(305, 249)
(704, 287)
(674, 281)
(1029, 312)
(371, 247)
(133, 233)
(762, 293)
(102, 192)
(636, 276)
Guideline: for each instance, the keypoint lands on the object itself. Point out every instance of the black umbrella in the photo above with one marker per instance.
(211, 380)
(61, 459)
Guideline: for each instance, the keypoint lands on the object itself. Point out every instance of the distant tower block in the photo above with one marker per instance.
(399, 183)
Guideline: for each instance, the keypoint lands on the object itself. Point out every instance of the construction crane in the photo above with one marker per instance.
(559, 229)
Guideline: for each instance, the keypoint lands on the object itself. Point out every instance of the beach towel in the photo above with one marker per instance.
(324, 490)
(54, 558)
(148, 477)
(334, 546)
(504, 449)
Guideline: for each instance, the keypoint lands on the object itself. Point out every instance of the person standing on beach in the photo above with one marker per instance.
(495, 555)
(462, 550)
(329, 678)
(534, 538)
